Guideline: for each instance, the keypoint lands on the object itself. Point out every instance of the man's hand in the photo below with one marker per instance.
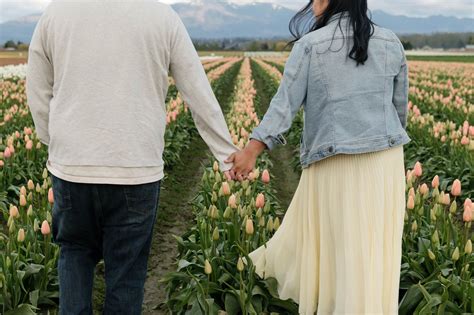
(245, 160)
(228, 176)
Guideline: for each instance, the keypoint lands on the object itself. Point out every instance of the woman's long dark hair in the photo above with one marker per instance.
(305, 22)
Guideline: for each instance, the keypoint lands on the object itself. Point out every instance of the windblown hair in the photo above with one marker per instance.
(305, 22)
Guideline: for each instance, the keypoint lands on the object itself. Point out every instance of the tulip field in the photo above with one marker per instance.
(210, 271)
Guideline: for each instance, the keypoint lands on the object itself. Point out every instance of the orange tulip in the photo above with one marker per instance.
(418, 170)
(265, 176)
(260, 201)
(50, 196)
(435, 182)
(411, 202)
(456, 188)
(45, 229)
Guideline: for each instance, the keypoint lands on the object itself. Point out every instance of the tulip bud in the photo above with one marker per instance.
(12, 227)
(468, 247)
(36, 225)
(467, 215)
(50, 196)
(14, 212)
(260, 201)
(270, 225)
(22, 200)
(248, 192)
(435, 239)
(276, 223)
(215, 234)
(31, 185)
(21, 235)
(431, 255)
(45, 173)
(214, 197)
(38, 188)
(225, 189)
(227, 213)
(261, 222)
(455, 256)
(259, 213)
(38, 145)
(251, 176)
(249, 227)
(23, 190)
(29, 212)
(410, 202)
(456, 188)
(45, 229)
(265, 177)
(215, 167)
(245, 184)
(207, 267)
(218, 177)
(414, 226)
(240, 264)
(435, 182)
(435, 194)
(417, 170)
(454, 207)
(424, 189)
(411, 192)
(232, 201)
(446, 199)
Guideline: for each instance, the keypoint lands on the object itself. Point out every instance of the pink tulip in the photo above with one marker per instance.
(260, 201)
(265, 176)
(45, 229)
(465, 128)
(471, 131)
(446, 199)
(467, 215)
(465, 140)
(435, 182)
(14, 212)
(2, 163)
(410, 202)
(456, 188)
(7, 153)
(17, 134)
(424, 189)
(29, 145)
(50, 196)
(411, 192)
(232, 201)
(417, 170)
(225, 188)
(27, 131)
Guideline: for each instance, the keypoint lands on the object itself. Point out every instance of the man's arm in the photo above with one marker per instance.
(39, 82)
(192, 83)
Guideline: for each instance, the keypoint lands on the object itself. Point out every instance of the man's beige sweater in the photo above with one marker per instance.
(96, 84)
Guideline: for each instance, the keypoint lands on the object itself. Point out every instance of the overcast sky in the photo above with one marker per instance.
(12, 9)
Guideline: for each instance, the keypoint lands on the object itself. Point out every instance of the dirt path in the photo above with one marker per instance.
(174, 218)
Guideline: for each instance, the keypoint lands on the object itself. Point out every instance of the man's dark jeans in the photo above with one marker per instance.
(111, 222)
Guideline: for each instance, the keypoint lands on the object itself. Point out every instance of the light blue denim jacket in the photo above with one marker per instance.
(348, 109)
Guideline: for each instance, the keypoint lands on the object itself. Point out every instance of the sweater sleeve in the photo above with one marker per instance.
(196, 91)
(39, 81)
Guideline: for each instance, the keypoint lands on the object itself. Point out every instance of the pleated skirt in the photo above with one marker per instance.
(338, 249)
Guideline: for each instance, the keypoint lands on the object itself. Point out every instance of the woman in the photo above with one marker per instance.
(338, 250)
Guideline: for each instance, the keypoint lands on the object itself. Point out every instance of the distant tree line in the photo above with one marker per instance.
(414, 41)
(437, 40)
(16, 45)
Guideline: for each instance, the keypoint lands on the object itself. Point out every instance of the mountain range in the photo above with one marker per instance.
(210, 19)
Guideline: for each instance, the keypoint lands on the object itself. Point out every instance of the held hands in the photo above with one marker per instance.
(245, 160)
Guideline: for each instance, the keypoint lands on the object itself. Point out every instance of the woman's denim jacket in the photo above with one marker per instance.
(348, 109)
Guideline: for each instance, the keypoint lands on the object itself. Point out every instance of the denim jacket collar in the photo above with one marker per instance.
(343, 15)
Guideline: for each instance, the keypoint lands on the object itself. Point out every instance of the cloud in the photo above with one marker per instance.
(10, 9)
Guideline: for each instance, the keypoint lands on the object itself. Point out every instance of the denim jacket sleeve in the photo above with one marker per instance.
(288, 100)
(400, 91)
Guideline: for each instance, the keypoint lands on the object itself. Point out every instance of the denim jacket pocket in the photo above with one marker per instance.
(62, 194)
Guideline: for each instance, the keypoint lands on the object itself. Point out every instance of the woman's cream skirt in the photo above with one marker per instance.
(338, 250)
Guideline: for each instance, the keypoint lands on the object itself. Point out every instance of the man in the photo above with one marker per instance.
(96, 84)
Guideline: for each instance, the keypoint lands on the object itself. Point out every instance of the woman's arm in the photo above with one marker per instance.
(283, 108)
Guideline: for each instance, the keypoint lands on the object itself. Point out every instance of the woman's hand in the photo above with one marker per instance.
(244, 161)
